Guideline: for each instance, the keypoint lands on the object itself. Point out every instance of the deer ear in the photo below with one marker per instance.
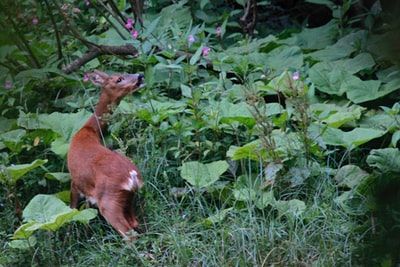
(98, 77)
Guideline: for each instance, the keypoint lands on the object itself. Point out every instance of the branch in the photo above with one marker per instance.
(251, 6)
(125, 50)
(95, 51)
(137, 9)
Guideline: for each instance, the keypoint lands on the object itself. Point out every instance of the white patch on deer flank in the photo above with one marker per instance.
(133, 182)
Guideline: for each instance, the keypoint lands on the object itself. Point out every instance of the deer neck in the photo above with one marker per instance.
(99, 120)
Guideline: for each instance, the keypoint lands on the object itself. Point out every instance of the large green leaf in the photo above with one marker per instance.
(315, 38)
(359, 91)
(352, 203)
(284, 145)
(330, 81)
(280, 58)
(15, 172)
(342, 48)
(261, 198)
(291, 209)
(62, 177)
(350, 176)
(47, 212)
(334, 115)
(380, 121)
(13, 140)
(228, 112)
(249, 189)
(24, 244)
(202, 175)
(250, 47)
(363, 61)
(336, 77)
(44, 209)
(386, 159)
(350, 139)
(6, 124)
(252, 150)
(64, 124)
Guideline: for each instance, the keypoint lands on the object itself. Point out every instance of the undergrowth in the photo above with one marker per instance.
(177, 233)
(257, 148)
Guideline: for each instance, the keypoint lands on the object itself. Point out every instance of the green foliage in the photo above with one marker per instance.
(202, 175)
(46, 212)
(386, 160)
(255, 151)
(11, 174)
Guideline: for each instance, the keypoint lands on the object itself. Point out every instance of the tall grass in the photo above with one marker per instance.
(177, 232)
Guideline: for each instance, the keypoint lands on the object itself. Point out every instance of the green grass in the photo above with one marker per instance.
(178, 235)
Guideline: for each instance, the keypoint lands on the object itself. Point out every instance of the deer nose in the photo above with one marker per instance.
(140, 80)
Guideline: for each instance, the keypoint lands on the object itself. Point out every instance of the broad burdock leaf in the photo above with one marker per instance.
(229, 113)
(280, 58)
(350, 176)
(47, 212)
(350, 139)
(44, 208)
(334, 115)
(386, 159)
(24, 244)
(15, 172)
(202, 175)
(62, 177)
(306, 39)
(359, 91)
(291, 209)
(261, 198)
(66, 125)
(343, 48)
(352, 202)
(337, 77)
(270, 173)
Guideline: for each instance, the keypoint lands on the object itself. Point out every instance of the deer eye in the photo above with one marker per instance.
(120, 79)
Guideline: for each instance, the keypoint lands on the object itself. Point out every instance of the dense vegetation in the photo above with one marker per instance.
(267, 133)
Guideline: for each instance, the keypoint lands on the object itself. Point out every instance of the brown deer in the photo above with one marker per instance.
(104, 177)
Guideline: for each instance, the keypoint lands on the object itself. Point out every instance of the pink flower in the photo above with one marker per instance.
(296, 75)
(8, 84)
(86, 78)
(87, 2)
(206, 51)
(128, 24)
(76, 10)
(35, 21)
(219, 32)
(191, 39)
(135, 34)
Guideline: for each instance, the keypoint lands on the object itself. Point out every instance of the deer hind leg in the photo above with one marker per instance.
(131, 217)
(115, 214)
(74, 196)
